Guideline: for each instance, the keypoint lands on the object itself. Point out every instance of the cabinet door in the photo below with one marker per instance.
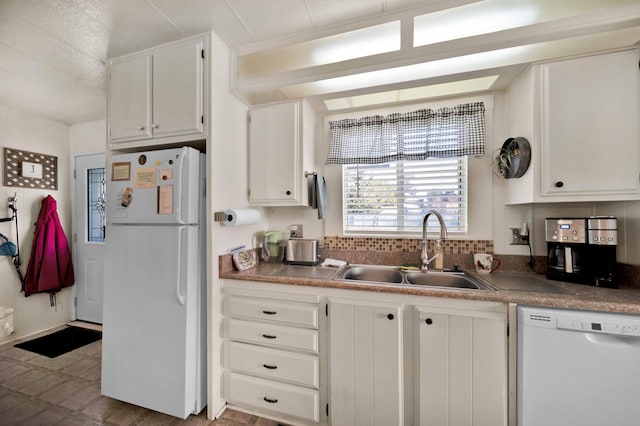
(129, 99)
(462, 369)
(590, 129)
(365, 363)
(177, 89)
(274, 154)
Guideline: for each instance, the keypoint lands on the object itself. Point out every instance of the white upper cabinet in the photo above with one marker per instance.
(130, 99)
(157, 96)
(280, 151)
(581, 117)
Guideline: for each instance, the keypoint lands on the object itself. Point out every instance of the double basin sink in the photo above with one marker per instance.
(398, 276)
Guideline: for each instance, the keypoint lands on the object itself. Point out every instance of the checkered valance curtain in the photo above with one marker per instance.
(447, 132)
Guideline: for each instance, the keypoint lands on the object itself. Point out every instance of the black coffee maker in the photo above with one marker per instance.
(582, 250)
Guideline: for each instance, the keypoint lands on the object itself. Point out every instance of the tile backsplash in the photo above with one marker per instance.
(405, 245)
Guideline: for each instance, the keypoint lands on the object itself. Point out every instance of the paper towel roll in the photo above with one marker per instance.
(236, 217)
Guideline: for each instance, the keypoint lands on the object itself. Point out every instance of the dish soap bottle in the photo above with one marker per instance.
(438, 263)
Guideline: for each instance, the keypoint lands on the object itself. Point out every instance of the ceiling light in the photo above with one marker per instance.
(470, 20)
(368, 41)
(489, 16)
(460, 64)
(414, 93)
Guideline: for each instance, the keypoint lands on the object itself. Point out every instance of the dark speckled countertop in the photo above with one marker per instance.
(526, 288)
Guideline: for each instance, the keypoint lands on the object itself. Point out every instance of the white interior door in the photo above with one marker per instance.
(89, 226)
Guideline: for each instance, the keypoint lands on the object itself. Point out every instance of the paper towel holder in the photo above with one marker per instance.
(230, 216)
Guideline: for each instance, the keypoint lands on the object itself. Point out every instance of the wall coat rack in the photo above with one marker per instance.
(8, 248)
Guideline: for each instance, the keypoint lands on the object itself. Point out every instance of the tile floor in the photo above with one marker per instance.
(37, 390)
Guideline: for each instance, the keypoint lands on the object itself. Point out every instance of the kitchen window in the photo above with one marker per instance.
(96, 185)
(398, 167)
(392, 198)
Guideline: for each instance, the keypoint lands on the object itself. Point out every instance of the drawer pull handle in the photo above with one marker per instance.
(270, 400)
(269, 312)
(268, 336)
(270, 367)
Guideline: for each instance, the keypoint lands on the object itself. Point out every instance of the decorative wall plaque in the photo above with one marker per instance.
(26, 169)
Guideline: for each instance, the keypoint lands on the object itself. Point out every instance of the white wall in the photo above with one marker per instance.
(33, 133)
(226, 188)
(88, 138)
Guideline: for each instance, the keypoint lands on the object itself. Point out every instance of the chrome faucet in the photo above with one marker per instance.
(424, 257)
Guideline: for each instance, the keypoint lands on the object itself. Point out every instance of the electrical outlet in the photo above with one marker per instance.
(517, 239)
(295, 231)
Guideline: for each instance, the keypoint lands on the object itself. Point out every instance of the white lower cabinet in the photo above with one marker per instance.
(271, 354)
(461, 367)
(308, 355)
(301, 369)
(365, 363)
(271, 396)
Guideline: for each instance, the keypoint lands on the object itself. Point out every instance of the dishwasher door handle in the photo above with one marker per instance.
(612, 340)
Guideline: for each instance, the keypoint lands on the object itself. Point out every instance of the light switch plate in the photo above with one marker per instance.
(295, 231)
(517, 239)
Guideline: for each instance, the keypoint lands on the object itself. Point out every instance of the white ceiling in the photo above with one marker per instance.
(52, 52)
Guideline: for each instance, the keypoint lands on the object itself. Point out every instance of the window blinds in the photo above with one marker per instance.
(394, 197)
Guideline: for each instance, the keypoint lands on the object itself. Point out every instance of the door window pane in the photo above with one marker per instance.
(95, 205)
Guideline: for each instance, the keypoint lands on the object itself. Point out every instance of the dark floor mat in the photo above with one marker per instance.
(61, 342)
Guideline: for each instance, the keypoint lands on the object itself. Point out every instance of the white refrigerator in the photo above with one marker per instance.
(154, 325)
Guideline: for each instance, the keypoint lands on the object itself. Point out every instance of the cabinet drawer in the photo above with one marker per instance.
(274, 397)
(274, 335)
(304, 315)
(274, 364)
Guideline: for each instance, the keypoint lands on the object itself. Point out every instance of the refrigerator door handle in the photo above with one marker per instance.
(180, 201)
(180, 281)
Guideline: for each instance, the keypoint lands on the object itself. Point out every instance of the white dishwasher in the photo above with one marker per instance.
(578, 368)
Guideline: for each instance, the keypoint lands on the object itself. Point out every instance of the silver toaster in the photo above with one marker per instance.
(302, 252)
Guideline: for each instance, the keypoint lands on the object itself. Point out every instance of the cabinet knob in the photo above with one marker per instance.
(429, 321)
(140, 127)
(270, 400)
(288, 192)
(154, 126)
(390, 316)
(559, 184)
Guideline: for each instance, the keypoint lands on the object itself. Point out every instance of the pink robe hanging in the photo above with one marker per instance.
(50, 268)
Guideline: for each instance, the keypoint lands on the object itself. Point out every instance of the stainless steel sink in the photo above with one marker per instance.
(372, 273)
(439, 279)
(392, 275)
